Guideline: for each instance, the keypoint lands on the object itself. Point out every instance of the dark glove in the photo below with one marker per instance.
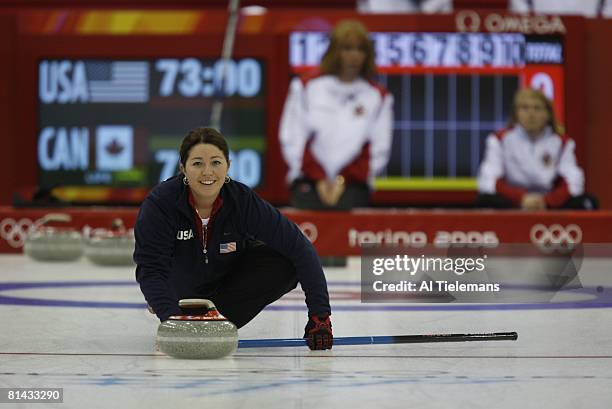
(318, 332)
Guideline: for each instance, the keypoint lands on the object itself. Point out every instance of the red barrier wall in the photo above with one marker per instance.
(341, 233)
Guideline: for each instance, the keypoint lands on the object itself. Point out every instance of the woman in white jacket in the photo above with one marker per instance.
(531, 164)
(336, 127)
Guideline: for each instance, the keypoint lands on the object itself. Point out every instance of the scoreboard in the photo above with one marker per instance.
(102, 108)
(451, 90)
(119, 123)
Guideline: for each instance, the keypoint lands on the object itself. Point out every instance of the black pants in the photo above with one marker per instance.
(263, 276)
(304, 196)
(582, 202)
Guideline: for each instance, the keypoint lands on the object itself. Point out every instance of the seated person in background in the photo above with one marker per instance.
(531, 164)
(336, 127)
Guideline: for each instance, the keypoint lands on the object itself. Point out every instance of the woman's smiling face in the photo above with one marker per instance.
(205, 169)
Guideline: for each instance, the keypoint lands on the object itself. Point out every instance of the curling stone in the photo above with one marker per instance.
(111, 248)
(207, 336)
(46, 243)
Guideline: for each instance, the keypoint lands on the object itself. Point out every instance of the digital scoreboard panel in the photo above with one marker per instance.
(115, 120)
(119, 122)
(451, 90)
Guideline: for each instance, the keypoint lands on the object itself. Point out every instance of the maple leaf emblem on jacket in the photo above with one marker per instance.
(547, 159)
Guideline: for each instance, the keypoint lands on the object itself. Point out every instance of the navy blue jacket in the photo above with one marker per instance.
(169, 256)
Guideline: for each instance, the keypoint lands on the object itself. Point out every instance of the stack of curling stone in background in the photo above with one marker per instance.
(111, 248)
(53, 243)
(202, 334)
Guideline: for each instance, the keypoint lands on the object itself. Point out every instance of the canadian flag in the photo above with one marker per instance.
(114, 147)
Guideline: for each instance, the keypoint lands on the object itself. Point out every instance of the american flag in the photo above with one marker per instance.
(118, 81)
(227, 247)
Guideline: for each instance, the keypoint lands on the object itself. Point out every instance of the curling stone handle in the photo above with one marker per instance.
(53, 217)
(197, 303)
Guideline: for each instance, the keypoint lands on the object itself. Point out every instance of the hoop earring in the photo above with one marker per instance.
(185, 181)
(227, 179)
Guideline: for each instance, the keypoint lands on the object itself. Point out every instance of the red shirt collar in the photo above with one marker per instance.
(216, 204)
(198, 221)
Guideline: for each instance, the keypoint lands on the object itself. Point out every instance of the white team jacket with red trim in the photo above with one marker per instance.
(331, 123)
(515, 164)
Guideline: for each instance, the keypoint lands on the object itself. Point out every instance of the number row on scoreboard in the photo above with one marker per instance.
(506, 50)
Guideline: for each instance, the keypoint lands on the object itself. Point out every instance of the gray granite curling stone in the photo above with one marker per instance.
(53, 244)
(207, 336)
(111, 249)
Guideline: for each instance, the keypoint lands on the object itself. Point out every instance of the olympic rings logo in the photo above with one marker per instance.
(15, 232)
(556, 236)
(309, 230)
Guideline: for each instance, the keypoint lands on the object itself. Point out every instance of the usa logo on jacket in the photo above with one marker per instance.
(184, 234)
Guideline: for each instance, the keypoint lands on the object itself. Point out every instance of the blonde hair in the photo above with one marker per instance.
(538, 95)
(330, 64)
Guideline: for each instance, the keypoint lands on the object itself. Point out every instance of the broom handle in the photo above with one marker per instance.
(393, 339)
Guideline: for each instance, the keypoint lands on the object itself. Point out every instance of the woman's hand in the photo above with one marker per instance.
(533, 201)
(318, 332)
(329, 191)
